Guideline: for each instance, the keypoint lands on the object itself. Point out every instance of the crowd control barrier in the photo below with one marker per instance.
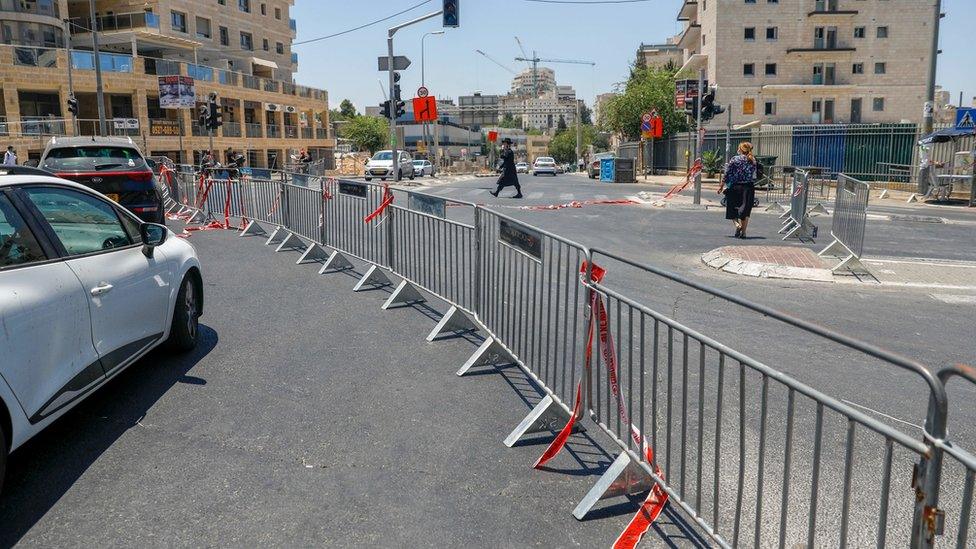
(749, 454)
(847, 229)
(797, 224)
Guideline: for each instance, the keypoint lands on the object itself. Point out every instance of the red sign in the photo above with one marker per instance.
(492, 136)
(657, 127)
(425, 109)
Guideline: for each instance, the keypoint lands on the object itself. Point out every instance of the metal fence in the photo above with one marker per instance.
(850, 219)
(797, 224)
(751, 455)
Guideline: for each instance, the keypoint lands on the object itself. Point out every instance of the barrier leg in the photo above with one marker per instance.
(491, 353)
(775, 207)
(547, 416)
(819, 208)
(374, 277)
(253, 228)
(336, 262)
(197, 217)
(834, 249)
(786, 213)
(453, 321)
(313, 254)
(291, 242)
(788, 225)
(623, 477)
(851, 264)
(277, 236)
(884, 194)
(404, 294)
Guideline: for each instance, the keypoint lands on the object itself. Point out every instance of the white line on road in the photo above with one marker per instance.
(601, 197)
(533, 196)
(566, 196)
(475, 192)
(954, 299)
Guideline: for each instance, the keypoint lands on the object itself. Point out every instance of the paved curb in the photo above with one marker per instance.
(719, 259)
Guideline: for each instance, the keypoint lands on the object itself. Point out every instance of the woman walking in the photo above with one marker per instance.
(738, 185)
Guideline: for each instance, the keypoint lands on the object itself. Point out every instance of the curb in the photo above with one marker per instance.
(718, 259)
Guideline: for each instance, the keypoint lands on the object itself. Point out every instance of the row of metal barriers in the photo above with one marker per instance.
(751, 456)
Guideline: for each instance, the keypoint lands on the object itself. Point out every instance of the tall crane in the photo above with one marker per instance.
(495, 61)
(535, 60)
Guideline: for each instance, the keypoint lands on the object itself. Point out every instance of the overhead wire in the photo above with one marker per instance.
(387, 18)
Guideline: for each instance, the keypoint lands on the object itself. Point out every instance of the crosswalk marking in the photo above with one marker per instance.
(601, 197)
(567, 196)
(535, 195)
(953, 299)
(475, 192)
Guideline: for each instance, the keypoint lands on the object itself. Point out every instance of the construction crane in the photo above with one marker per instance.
(522, 48)
(535, 60)
(495, 61)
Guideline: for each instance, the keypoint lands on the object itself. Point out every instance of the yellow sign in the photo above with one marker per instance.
(421, 147)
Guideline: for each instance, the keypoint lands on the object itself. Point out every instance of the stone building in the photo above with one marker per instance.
(238, 49)
(527, 85)
(811, 61)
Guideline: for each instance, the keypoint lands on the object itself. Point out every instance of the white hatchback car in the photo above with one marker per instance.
(544, 164)
(86, 289)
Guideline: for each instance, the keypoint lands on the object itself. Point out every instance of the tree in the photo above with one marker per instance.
(367, 133)
(347, 109)
(563, 145)
(647, 89)
(586, 115)
(561, 125)
(509, 121)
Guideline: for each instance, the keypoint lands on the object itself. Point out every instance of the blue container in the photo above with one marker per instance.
(607, 169)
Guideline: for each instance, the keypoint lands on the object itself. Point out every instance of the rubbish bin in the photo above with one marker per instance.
(607, 169)
(624, 170)
(767, 162)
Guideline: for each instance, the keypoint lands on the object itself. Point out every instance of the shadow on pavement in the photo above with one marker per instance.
(41, 471)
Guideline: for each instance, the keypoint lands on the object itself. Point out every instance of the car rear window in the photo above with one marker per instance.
(100, 158)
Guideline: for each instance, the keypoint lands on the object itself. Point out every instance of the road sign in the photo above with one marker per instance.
(646, 117)
(657, 127)
(425, 109)
(679, 94)
(422, 92)
(654, 113)
(464, 152)
(492, 136)
(400, 63)
(966, 119)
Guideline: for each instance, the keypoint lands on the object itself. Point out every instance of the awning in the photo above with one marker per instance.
(944, 136)
(264, 63)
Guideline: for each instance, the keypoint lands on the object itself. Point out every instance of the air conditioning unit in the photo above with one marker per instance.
(291, 110)
(273, 107)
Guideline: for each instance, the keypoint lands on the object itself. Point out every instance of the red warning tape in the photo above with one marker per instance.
(651, 509)
(693, 172)
(387, 200)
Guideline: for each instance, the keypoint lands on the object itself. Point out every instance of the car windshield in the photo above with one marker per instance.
(105, 158)
(383, 155)
(545, 160)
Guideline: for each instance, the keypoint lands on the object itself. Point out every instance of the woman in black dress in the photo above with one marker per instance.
(738, 184)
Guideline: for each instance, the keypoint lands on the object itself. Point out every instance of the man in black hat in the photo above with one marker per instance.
(509, 177)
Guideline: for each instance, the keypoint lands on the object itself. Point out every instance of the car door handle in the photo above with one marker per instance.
(101, 289)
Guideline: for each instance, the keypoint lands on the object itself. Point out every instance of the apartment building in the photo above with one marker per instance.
(545, 111)
(811, 61)
(658, 56)
(238, 49)
(528, 84)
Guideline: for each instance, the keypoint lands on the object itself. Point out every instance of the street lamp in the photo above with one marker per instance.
(423, 81)
(99, 94)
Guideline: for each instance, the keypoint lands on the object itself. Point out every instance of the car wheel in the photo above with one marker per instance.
(186, 316)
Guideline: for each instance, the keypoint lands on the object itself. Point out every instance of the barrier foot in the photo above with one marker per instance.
(168, 204)
(547, 416)
(623, 477)
(775, 207)
(884, 194)
(197, 217)
(491, 353)
(788, 226)
(834, 249)
(291, 242)
(404, 294)
(336, 262)
(453, 321)
(182, 209)
(374, 277)
(852, 265)
(786, 213)
(913, 198)
(277, 236)
(253, 228)
(819, 208)
(313, 254)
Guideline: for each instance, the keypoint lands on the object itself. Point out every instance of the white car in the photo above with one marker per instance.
(86, 289)
(544, 165)
(381, 166)
(423, 167)
(522, 167)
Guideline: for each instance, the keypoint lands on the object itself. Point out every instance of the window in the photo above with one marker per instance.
(178, 21)
(750, 1)
(748, 105)
(83, 223)
(264, 9)
(857, 68)
(882, 32)
(749, 69)
(859, 32)
(880, 68)
(224, 37)
(772, 1)
(750, 33)
(770, 69)
(817, 105)
(280, 48)
(244, 5)
(769, 109)
(278, 13)
(247, 41)
(772, 33)
(878, 104)
(203, 28)
(222, 2)
(264, 45)
(17, 244)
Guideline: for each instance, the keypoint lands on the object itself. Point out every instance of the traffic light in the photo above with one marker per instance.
(385, 109)
(400, 108)
(398, 104)
(203, 115)
(451, 17)
(691, 107)
(216, 119)
(72, 105)
(709, 107)
(396, 77)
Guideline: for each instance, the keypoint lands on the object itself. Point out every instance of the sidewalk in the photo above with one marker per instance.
(795, 263)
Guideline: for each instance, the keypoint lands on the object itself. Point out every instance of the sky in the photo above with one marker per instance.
(607, 34)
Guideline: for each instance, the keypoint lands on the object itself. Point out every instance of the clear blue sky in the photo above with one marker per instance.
(607, 34)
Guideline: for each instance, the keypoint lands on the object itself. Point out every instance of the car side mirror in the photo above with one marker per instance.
(153, 234)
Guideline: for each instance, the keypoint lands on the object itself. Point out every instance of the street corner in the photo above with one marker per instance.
(782, 262)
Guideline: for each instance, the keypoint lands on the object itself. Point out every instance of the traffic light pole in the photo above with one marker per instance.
(394, 146)
(698, 135)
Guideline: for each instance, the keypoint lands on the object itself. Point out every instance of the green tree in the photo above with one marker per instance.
(561, 125)
(563, 145)
(646, 89)
(586, 115)
(347, 109)
(367, 133)
(509, 121)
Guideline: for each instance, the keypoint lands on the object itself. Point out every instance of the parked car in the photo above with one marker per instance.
(561, 168)
(423, 167)
(113, 166)
(593, 168)
(544, 165)
(381, 165)
(522, 167)
(87, 289)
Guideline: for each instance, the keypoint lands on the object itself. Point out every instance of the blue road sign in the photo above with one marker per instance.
(966, 119)
(645, 126)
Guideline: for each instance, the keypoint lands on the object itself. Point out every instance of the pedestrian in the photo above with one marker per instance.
(738, 185)
(304, 159)
(10, 157)
(509, 177)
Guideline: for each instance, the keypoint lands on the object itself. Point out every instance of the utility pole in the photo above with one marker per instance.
(698, 135)
(99, 93)
(71, 85)
(929, 110)
(728, 135)
(579, 133)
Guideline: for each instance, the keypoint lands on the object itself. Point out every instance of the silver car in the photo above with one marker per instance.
(381, 166)
(423, 167)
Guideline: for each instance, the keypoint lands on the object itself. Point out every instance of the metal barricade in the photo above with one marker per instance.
(955, 459)
(346, 207)
(264, 200)
(850, 219)
(303, 211)
(798, 224)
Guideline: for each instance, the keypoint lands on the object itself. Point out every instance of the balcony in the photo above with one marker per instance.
(293, 25)
(110, 62)
(115, 22)
(274, 131)
(287, 88)
(307, 133)
(321, 133)
(36, 57)
(691, 38)
(227, 78)
(231, 129)
(291, 132)
(41, 125)
(253, 130)
(47, 8)
(199, 72)
(270, 86)
(161, 67)
(251, 82)
(822, 49)
(688, 11)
